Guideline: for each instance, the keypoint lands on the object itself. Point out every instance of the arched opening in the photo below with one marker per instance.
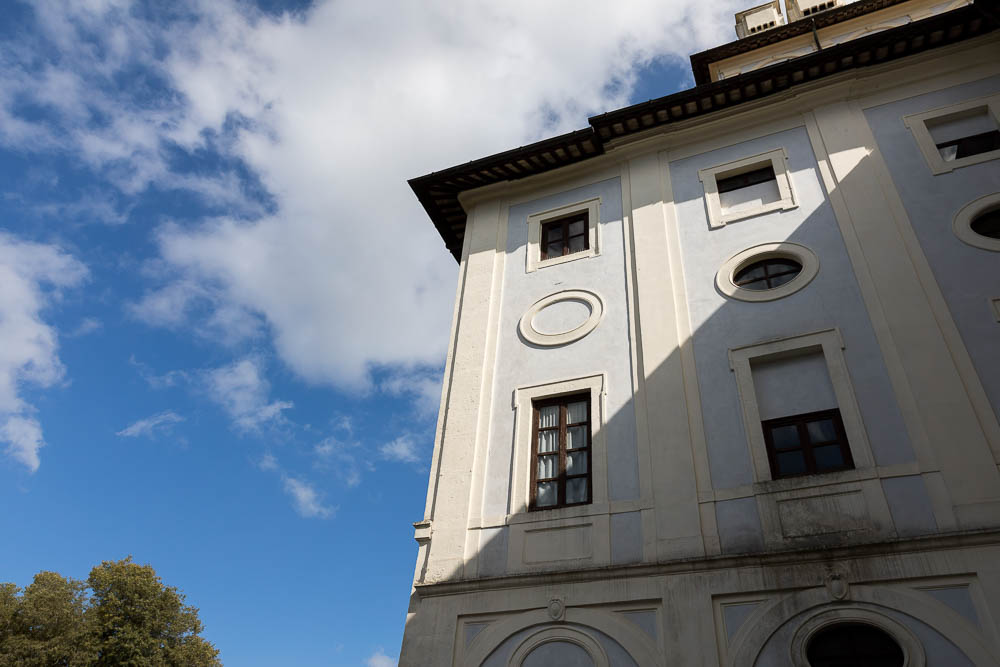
(853, 645)
(558, 653)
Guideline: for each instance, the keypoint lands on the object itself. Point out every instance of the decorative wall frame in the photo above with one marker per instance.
(592, 301)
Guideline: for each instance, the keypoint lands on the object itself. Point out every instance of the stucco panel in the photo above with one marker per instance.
(969, 277)
(832, 299)
(604, 350)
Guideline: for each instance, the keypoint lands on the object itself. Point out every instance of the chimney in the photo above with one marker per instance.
(800, 9)
(760, 18)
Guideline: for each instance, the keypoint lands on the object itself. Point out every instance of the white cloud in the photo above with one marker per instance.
(168, 379)
(402, 449)
(91, 207)
(422, 386)
(151, 425)
(332, 110)
(242, 392)
(380, 659)
(308, 502)
(166, 307)
(339, 456)
(23, 436)
(31, 275)
(268, 463)
(88, 325)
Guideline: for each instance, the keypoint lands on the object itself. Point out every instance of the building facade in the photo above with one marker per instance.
(724, 378)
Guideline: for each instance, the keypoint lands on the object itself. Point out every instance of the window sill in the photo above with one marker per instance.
(814, 481)
(941, 166)
(781, 205)
(583, 254)
(563, 513)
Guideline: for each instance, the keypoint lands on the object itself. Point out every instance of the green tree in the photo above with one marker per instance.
(139, 621)
(46, 625)
(127, 618)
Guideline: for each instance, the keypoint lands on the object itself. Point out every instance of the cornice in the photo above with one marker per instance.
(774, 559)
(439, 192)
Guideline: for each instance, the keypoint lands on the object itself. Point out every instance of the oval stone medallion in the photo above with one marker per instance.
(561, 318)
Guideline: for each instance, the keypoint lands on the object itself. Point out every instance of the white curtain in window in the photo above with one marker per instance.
(576, 490)
(548, 441)
(548, 416)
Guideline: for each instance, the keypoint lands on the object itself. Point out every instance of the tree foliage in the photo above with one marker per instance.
(123, 615)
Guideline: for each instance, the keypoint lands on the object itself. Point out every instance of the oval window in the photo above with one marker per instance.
(978, 222)
(987, 224)
(854, 644)
(767, 273)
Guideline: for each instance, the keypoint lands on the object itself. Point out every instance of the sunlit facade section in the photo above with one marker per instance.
(723, 383)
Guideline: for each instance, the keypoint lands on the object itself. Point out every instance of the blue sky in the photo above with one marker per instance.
(223, 315)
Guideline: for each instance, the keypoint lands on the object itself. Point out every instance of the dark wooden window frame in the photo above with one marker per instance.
(768, 273)
(755, 176)
(562, 223)
(561, 478)
(806, 445)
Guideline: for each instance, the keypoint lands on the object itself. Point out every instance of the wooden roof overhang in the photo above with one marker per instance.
(438, 192)
(700, 61)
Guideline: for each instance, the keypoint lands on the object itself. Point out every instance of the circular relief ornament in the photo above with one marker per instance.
(561, 318)
(793, 267)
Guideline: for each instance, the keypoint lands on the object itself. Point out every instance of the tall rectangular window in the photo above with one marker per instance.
(560, 460)
(803, 431)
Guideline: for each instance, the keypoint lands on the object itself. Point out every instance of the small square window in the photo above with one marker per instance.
(964, 134)
(807, 444)
(958, 135)
(745, 179)
(744, 188)
(565, 236)
(560, 458)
